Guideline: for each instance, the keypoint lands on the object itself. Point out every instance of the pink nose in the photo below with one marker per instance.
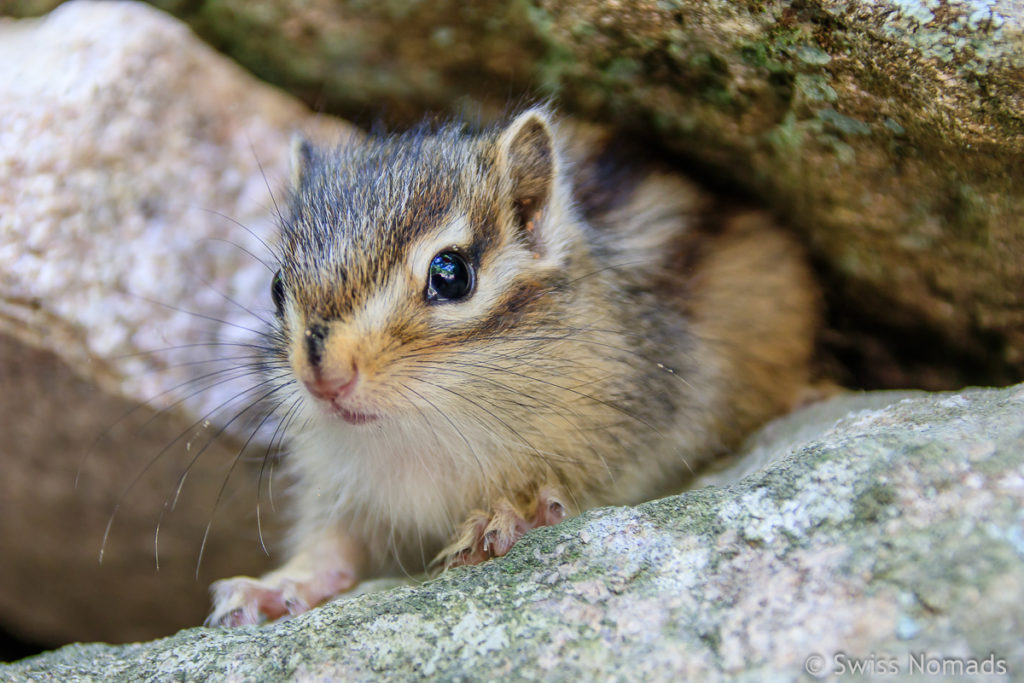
(328, 387)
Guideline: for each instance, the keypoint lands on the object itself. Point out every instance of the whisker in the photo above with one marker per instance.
(156, 536)
(512, 430)
(270, 249)
(232, 301)
(181, 347)
(201, 316)
(472, 450)
(236, 245)
(209, 441)
(558, 386)
(282, 428)
(585, 433)
(613, 266)
(159, 413)
(152, 461)
(223, 375)
(231, 469)
(580, 340)
(269, 413)
(277, 209)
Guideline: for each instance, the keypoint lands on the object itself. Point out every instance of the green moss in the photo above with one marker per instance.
(842, 124)
(582, 31)
(968, 213)
(894, 126)
(622, 68)
(811, 54)
(786, 137)
(815, 87)
(873, 504)
(27, 8)
(761, 55)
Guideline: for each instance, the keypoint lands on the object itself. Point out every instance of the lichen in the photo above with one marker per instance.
(879, 532)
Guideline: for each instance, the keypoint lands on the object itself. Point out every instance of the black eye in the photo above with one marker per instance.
(277, 292)
(449, 278)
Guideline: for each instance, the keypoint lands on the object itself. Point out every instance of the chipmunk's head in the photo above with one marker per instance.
(410, 263)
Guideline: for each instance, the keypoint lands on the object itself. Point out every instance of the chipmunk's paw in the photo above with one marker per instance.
(244, 600)
(484, 536)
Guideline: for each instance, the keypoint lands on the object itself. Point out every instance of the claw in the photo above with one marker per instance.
(246, 601)
(484, 536)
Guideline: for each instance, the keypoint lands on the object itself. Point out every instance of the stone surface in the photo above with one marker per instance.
(132, 213)
(887, 539)
(890, 133)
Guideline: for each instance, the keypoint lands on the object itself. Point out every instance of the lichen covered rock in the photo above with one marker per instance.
(895, 533)
(889, 133)
(132, 208)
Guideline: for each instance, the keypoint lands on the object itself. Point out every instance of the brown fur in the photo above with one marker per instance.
(623, 327)
(762, 327)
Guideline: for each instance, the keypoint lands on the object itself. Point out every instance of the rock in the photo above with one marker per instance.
(888, 540)
(133, 211)
(890, 133)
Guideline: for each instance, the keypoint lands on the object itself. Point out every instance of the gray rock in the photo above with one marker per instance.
(130, 194)
(890, 539)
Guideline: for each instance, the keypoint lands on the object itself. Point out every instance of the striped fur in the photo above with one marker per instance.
(624, 328)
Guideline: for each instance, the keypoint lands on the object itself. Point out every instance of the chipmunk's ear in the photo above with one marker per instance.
(526, 153)
(301, 155)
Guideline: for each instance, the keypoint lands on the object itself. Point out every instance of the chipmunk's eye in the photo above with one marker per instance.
(449, 278)
(277, 292)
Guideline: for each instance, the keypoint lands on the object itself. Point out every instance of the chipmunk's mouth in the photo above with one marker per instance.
(351, 416)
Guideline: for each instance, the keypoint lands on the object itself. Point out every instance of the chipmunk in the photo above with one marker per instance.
(486, 333)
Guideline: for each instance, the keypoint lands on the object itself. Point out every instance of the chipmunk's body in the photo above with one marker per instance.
(487, 333)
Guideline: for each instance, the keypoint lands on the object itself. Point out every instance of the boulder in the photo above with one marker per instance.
(137, 172)
(881, 535)
(890, 133)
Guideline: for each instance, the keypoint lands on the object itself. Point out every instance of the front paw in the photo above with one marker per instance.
(484, 536)
(245, 600)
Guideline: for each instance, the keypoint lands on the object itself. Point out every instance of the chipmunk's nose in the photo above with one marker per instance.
(327, 376)
(328, 386)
